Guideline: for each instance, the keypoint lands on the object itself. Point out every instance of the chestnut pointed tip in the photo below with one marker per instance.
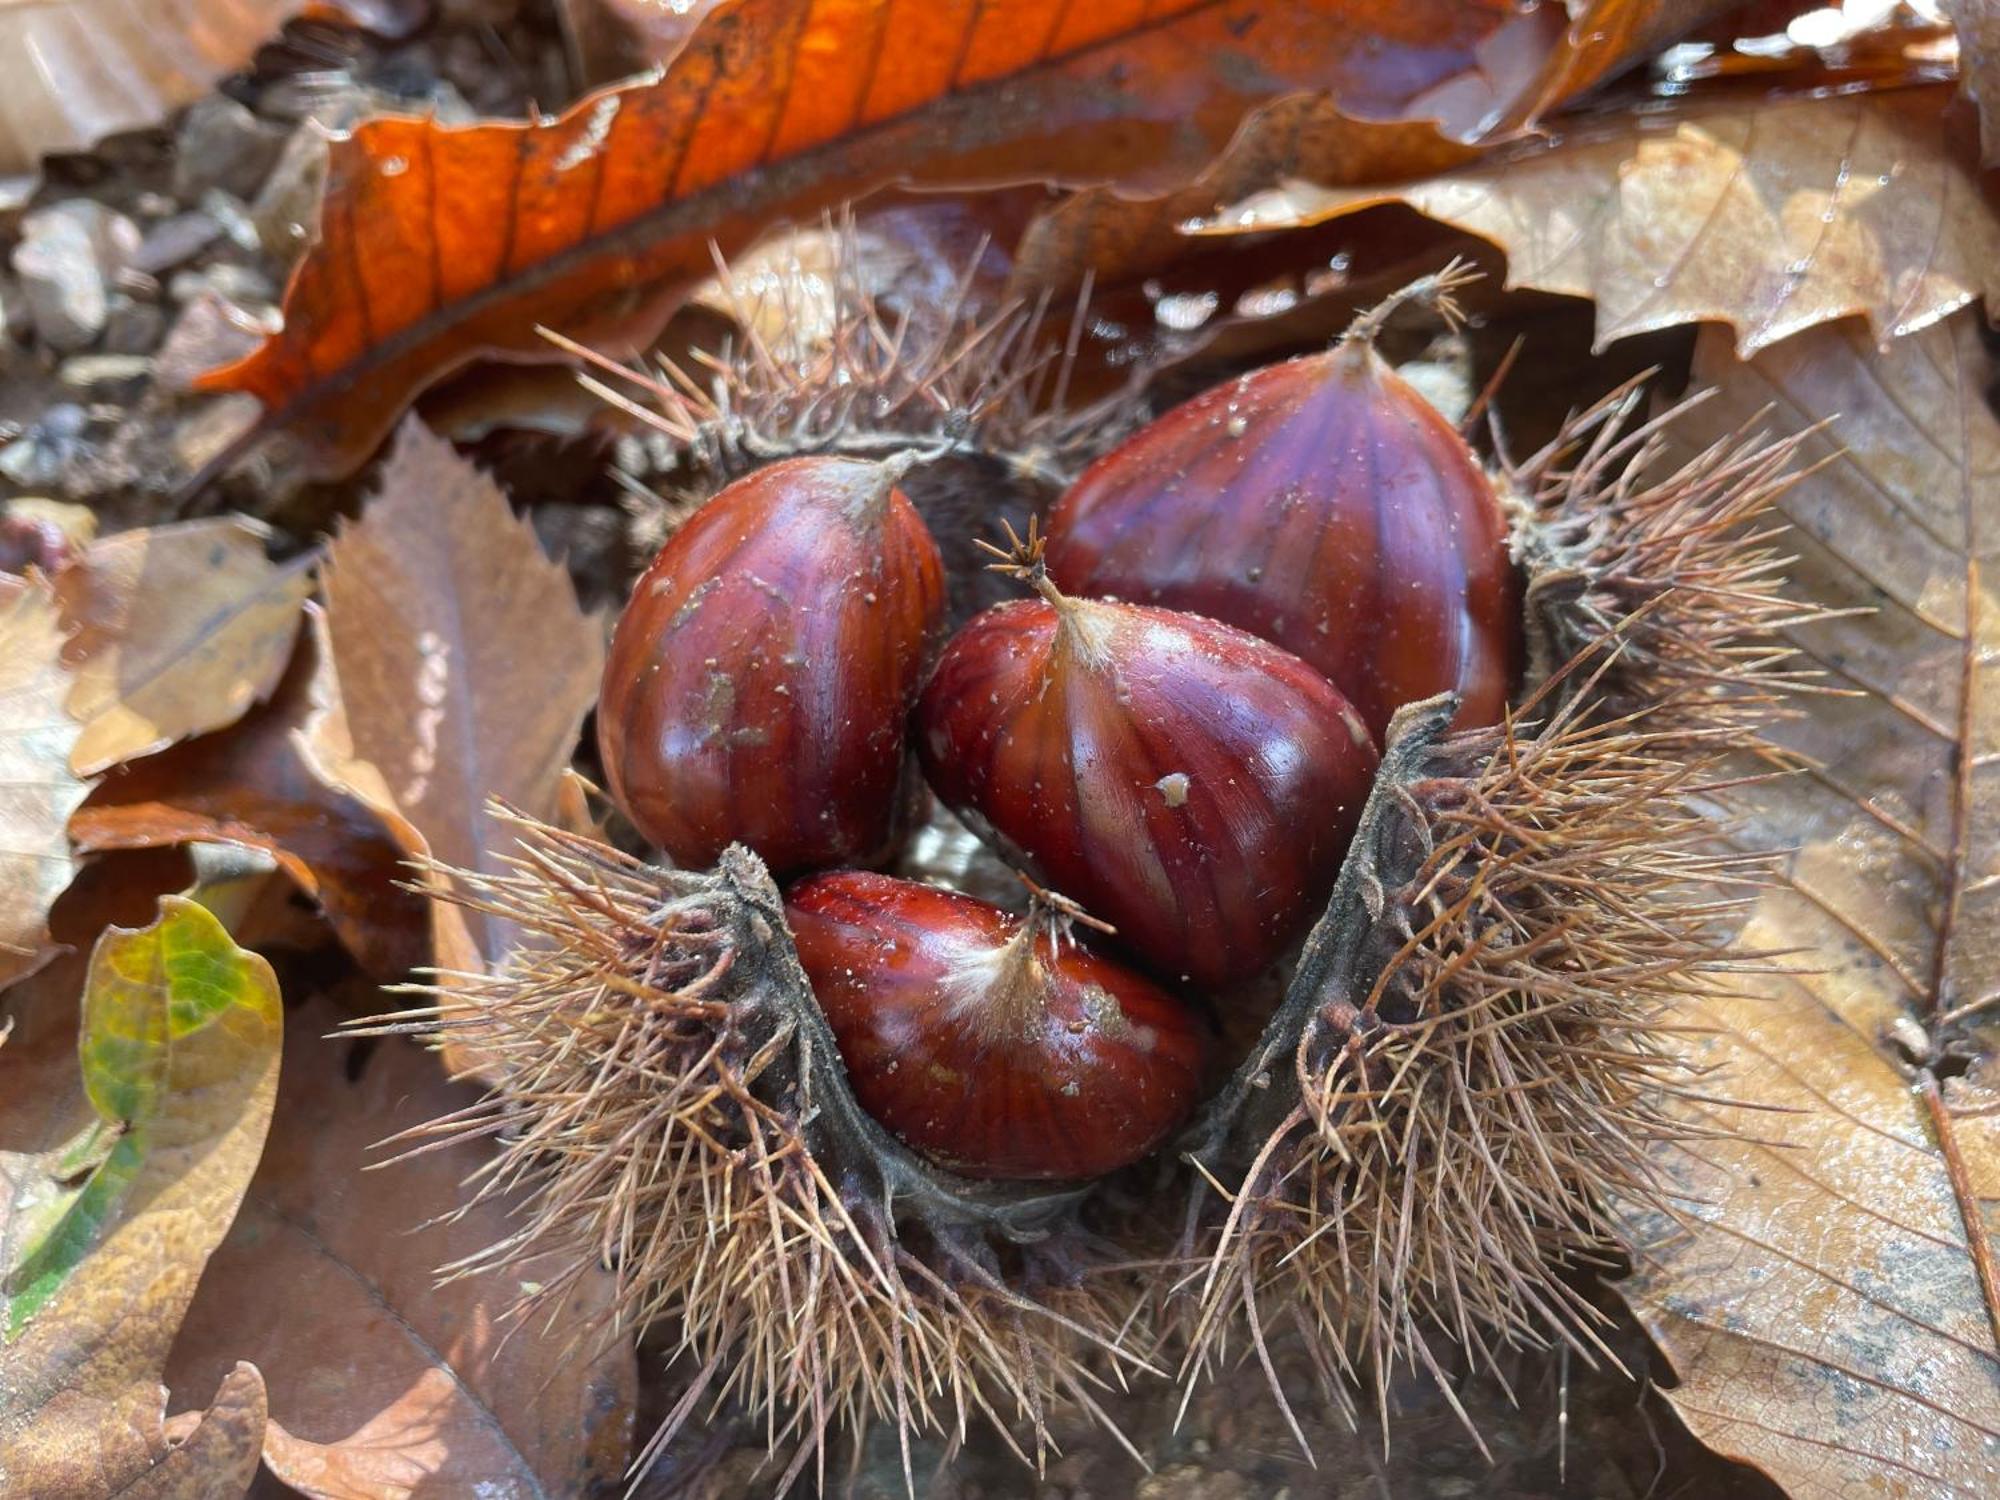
(879, 479)
(1438, 291)
(1054, 907)
(890, 471)
(991, 1055)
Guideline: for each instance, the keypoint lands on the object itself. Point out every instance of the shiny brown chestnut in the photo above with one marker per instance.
(991, 1043)
(1188, 782)
(1326, 506)
(759, 682)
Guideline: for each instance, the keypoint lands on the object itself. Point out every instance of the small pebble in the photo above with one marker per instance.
(223, 145)
(67, 257)
(176, 241)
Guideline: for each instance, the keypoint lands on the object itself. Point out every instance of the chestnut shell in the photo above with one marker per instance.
(1185, 781)
(995, 1051)
(759, 682)
(1326, 506)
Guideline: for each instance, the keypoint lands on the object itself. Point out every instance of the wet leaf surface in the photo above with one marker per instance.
(441, 606)
(37, 788)
(178, 630)
(103, 1233)
(383, 1383)
(1830, 1307)
(1770, 217)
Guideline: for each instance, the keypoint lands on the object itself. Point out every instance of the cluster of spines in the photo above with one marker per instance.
(964, 379)
(653, 1114)
(1478, 1119)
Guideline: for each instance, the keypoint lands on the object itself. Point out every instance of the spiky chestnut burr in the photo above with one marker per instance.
(1324, 505)
(1191, 784)
(1382, 1181)
(758, 682)
(1466, 1089)
(994, 1044)
(666, 1100)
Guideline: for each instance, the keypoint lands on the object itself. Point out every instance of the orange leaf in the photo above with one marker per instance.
(438, 244)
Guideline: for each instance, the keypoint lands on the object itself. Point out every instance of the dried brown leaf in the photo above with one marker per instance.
(1606, 36)
(283, 780)
(37, 789)
(383, 1383)
(1523, 71)
(1113, 237)
(179, 630)
(75, 71)
(217, 1458)
(1770, 217)
(1829, 1306)
(464, 661)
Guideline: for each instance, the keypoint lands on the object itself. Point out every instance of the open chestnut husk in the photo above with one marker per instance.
(1191, 784)
(757, 683)
(995, 1044)
(1462, 1078)
(1322, 504)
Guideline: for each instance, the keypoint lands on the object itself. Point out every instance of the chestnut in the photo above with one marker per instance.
(993, 1044)
(1326, 506)
(1190, 783)
(759, 682)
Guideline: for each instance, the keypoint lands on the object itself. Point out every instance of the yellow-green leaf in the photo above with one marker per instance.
(103, 1237)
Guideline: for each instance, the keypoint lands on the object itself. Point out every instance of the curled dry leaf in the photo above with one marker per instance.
(283, 780)
(104, 1232)
(385, 1384)
(1829, 1304)
(179, 630)
(76, 71)
(1770, 217)
(37, 789)
(1607, 35)
(440, 606)
(1113, 235)
(439, 244)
